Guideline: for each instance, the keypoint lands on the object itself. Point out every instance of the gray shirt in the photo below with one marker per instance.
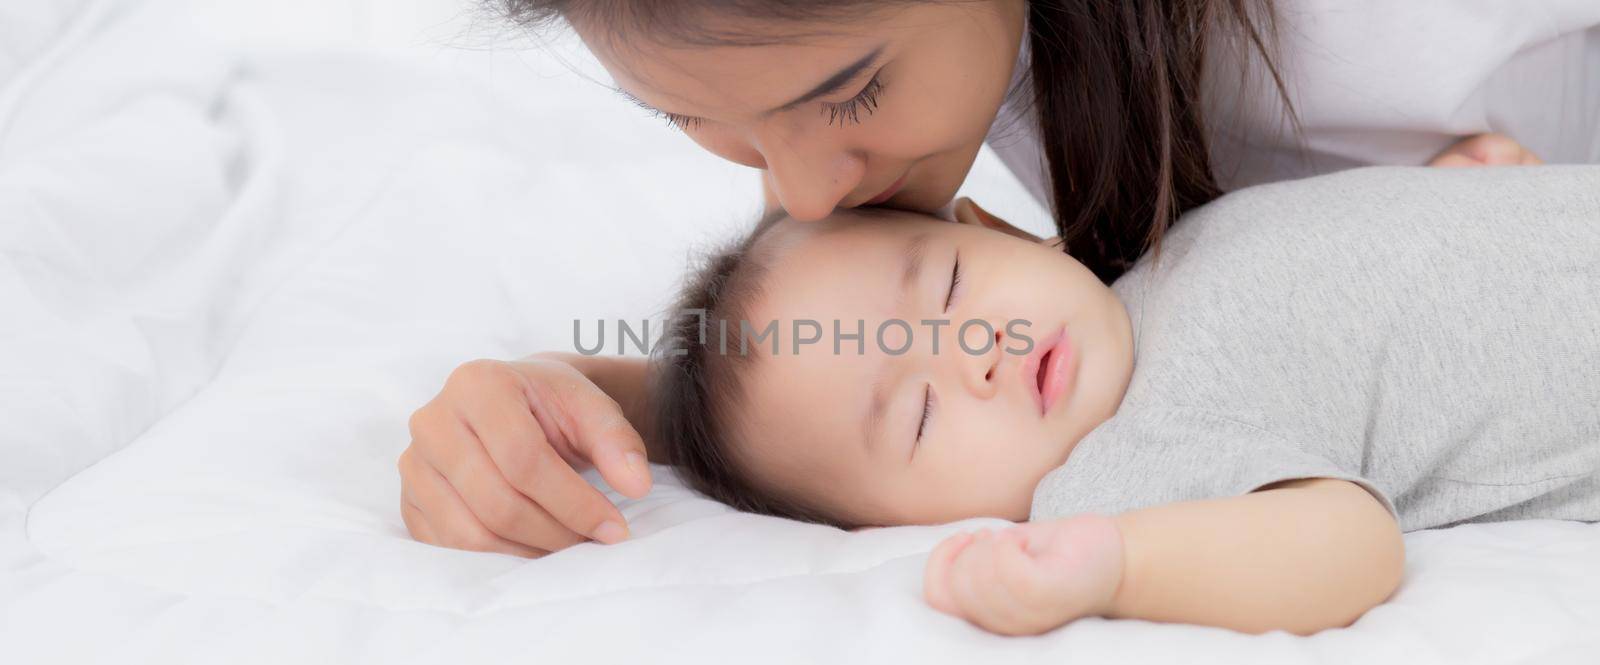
(1430, 334)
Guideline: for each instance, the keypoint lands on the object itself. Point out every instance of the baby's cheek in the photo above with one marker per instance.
(988, 486)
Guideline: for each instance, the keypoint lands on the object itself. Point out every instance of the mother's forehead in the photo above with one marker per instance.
(739, 65)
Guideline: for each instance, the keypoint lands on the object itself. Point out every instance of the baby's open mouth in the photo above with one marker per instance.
(1044, 368)
(1053, 376)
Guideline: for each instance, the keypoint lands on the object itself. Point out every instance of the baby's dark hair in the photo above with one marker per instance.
(697, 382)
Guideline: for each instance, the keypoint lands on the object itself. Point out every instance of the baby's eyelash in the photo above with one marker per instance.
(955, 281)
(927, 411)
(849, 112)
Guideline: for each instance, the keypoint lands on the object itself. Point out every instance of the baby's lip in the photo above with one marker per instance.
(1058, 371)
(1030, 369)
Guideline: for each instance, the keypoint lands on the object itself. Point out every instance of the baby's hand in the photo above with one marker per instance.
(1030, 578)
(1486, 150)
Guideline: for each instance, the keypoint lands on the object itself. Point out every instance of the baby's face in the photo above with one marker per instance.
(927, 435)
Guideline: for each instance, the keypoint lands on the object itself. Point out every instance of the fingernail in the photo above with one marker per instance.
(635, 463)
(610, 532)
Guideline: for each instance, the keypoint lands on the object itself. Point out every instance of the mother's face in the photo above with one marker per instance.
(888, 106)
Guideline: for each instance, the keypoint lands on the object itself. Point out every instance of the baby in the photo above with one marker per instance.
(1235, 433)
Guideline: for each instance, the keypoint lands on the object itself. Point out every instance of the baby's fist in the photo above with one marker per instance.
(1030, 578)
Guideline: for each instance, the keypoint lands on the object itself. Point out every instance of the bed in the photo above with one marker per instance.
(241, 242)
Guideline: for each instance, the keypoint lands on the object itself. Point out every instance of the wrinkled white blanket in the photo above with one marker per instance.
(231, 264)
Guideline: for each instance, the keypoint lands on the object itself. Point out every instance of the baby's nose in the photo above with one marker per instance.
(981, 349)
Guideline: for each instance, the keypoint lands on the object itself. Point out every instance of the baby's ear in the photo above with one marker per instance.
(968, 212)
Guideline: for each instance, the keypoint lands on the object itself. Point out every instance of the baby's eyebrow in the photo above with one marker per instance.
(911, 260)
(874, 419)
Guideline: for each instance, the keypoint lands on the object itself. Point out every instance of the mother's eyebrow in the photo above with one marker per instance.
(833, 83)
(911, 261)
(829, 86)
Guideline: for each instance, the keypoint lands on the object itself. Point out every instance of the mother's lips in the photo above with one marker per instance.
(888, 193)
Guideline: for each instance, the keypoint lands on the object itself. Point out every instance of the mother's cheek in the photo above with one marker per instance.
(725, 143)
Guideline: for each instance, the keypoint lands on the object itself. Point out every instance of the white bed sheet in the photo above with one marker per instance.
(233, 258)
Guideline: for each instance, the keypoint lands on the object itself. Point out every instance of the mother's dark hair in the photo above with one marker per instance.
(1116, 84)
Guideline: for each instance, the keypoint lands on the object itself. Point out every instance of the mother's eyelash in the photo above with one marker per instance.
(849, 111)
(682, 122)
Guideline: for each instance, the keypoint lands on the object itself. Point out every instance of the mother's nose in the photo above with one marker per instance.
(810, 181)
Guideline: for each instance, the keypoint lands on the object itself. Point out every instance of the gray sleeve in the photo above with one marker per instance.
(1156, 456)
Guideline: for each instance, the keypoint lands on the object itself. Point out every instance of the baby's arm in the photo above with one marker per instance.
(1300, 556)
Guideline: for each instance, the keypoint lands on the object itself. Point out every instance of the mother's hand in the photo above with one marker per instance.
(491, 461)
(968, 211)
(1486, 150)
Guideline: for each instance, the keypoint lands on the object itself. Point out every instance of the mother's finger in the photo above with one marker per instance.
(1454, 160)
(968, 211)
(504, 510)
(523, 456)
(451, 523)
(415, 523)
(593, 425)
(1495, 149)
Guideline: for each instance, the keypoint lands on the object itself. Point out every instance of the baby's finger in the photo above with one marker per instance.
(1027, 590)
(936, 574)
(1004, 613)
(969, 574)
(1039, 538)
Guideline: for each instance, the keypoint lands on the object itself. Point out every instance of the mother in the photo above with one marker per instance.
(1117, 114)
